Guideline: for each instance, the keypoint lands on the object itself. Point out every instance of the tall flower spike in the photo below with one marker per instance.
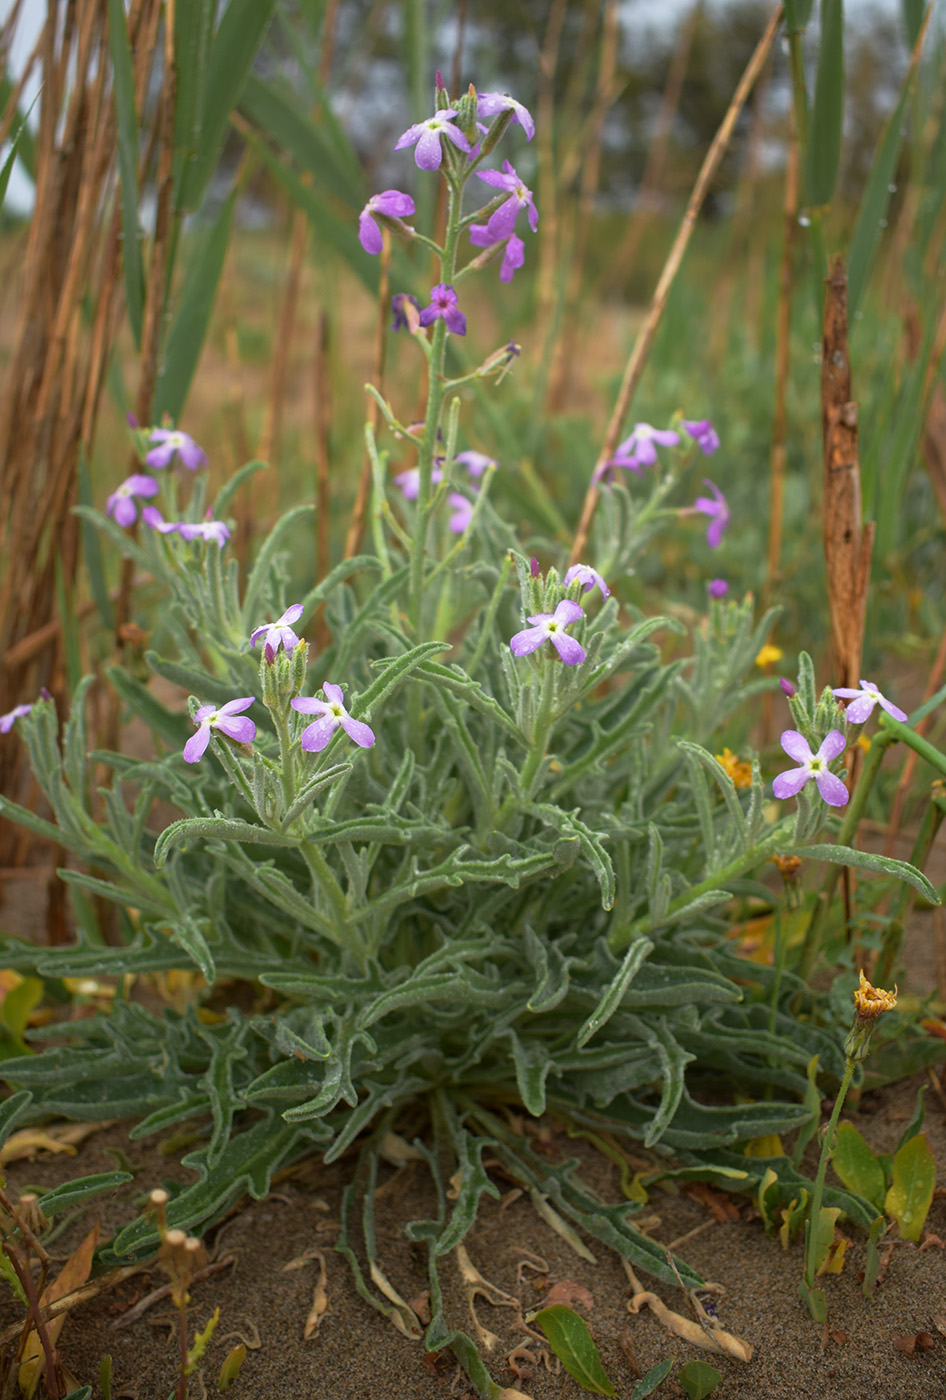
(443, 303)
(812, 766)
(121, 503)
(587, 577)
(228, 719)
(171, 442)
(426, 137)
(390, 202)
(502, 221)
(863, 702)
(551, 627)
(490, 104)
(279, 633)
(332, 714)
(718, 512)
(639, 450)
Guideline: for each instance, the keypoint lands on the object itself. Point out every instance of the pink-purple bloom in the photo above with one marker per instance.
(7, 721)
(443, 303)
(121, 503)
(863, 702)
(332, 713)
(390, 202)
(208, 530)
(587, 577)
(426, 137)
(639, 449)
(718, 511)
(490, 104)
(279, 633)
(228, 719)
(462, 512)
(409, 481)
(402, 317)
(813, 765)
(514, 254)
(502, 221)
(171, 441)
(476, 463)
(717, 588)
(153, 517)
(703, 434)
(551, 627)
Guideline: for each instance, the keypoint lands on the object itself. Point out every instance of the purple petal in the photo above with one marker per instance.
(308, 705)
(527, 641)
(257, 633)
(292, 614)
(123, 511)
(316, 736)
(428, 153)
(191, 454)
(860, 709)
(533, 217)
(832, 744)
(196, 745)
(240, 728)
(334, 694)
(665, 437)
(159, 456)
(831, 788)
(235, 707)
(567, 612)
(412, 134)
(455, 319)
(894, 710)
(361, 733)
(513, 258)
(796, 746)
(369, 234)
(203, 713)
(497, 179)
(503, 220)
(790, 783)
(844, 694)
(571, 652)
(539, 618)
(140, 485)
(714, 535)
(393, 203)
(456, 136)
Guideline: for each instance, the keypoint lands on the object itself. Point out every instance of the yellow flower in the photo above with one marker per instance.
(870, 1003)
(863, 743)
(768, 655)
(737, 768)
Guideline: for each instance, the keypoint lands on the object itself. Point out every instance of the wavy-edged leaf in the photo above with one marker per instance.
(867, 860)
(618, 985)
(73, 1193)
(217, 829)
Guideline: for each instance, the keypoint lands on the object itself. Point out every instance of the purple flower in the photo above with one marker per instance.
(813, 765)
(552, 626)
(409, 481)
(717, 588)
(153, 517)
(7, 720)
(426, 136)
(489, 104)
(171, 441)
(703, 434)
(587, 577)
(863, 702)
(787, 689)
(403, 318)
(514, 255)
(462, 512)
(279, 633)
(227, 719)
(638, 450)
(390, 202)
(476, 463)
(717, 510)
(503, 221)
(209, 530)
(121, 505)
(443, 303)
(332, 713)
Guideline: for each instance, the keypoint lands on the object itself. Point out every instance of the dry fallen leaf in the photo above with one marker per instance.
(838, 1336)
(939, 1322)
(708, 1338)
(721, 1207)
(569, 1292)
(924, 1341)
(72, 1275)
(319, 1300)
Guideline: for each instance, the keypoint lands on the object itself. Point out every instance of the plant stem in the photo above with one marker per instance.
(818, 1193)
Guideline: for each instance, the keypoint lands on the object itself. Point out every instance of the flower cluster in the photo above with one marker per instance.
(122, 504)
(815, 765)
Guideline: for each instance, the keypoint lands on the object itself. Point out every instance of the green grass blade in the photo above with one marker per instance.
(22, 145)
(193, 26)
(824, 131)
(234, 47)
(126, 120)
(92, 549)
(797, 15)
(280, 116)
(189, 330)
(912, 19)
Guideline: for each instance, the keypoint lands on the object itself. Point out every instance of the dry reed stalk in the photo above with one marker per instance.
(659, 148)
(356, 527)
(563, 358)
(638, 357)
(549, 226)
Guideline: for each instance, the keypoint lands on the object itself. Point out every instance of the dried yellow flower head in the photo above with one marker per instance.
(870, 1003)
(768, 655)
(737, 768)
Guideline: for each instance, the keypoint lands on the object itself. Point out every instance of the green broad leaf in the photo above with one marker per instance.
(698, 1379)
(609, 1003)
(911, 1190)
(572, 1343)
(73, 1193)
(188, 332)
(16, 1007)
(654, 1377)
(767, 1199)
(216, 829)
(858, 1167)
(866, 860)
(193, 28)
(822, 1232)
(11, 1110)
(232, 51)
(827, 112)
(126, 121)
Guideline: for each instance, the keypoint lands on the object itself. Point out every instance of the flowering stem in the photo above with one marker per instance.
(827, 1145)
(324, 880)
(286, 757)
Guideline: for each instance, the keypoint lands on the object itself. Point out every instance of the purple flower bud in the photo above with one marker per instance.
(535, 567)
(787, 688)
(270, 654)
(44, 693)
(717, 588)
(131, 420)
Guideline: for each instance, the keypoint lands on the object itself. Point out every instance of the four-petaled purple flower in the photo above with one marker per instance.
(863, 702)
(7, 720)
(404, 319)
(717, 588)
(390, 202)
(489, 104)
(153, 517)
(409, 481)
(638, 450)
(332, 713)
(462, 512)
(443, 303)
(208, 530)
(813, 765)
(228, 719)
(171, 441)
(121, 504)
(502, 221)
(717, 510)
(703, 434)
(551, 627)
(587, 577)
(514, 254)
(279, 633)
(426, 136)
(476, 463)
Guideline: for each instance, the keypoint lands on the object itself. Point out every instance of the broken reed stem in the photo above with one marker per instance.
(645, 337)
(356, 526)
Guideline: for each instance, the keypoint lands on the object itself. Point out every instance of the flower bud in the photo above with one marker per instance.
(717, 588)
(535, 568)
(787, 688)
